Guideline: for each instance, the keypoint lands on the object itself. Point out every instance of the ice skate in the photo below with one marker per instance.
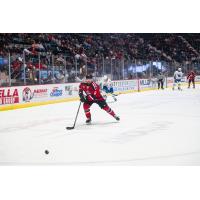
(88, 121)
(117, 118)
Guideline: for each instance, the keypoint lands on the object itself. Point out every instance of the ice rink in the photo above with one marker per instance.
(156, 128)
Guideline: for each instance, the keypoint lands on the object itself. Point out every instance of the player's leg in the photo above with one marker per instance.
(162, 83)
(193, 82)
(158, 84)
(179, 85)
(103, 105)
(103, 93)
(86, 107)
(174, 84)
(113, 96)
(189, 82)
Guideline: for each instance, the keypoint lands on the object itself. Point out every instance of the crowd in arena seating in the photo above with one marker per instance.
(64, 53)
(176, 46)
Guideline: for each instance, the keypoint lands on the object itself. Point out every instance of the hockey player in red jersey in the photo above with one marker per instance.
(191, 77)
(89, 93)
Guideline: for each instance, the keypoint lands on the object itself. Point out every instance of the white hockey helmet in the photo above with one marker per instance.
(105, 77)
(179, 69)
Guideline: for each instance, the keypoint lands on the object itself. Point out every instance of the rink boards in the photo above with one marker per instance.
(36, 95)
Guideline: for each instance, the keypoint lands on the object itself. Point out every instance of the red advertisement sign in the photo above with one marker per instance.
(39, 93)
(9, 96)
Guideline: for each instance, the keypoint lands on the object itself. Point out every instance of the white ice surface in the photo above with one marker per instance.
(156, 128)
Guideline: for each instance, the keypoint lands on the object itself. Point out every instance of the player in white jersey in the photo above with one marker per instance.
(178, 75)
(107, 87)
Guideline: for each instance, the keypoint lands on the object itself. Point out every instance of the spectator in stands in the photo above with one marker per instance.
(89, 48)
(83, 71)
(16, 68)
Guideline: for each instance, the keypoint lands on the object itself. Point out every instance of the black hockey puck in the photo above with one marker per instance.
(46, 152)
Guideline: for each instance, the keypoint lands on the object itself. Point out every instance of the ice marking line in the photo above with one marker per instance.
(127, 135)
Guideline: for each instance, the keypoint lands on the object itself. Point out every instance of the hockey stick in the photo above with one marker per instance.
(72, 127)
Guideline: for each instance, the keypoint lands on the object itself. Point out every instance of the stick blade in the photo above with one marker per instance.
(69, 128)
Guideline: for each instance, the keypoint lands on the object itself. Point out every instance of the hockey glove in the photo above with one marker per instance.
(82, 99)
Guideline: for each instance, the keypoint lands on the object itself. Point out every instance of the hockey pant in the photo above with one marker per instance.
(102, 104)
(109, 90)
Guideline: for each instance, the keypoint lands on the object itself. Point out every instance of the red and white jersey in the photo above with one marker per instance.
(91, 90)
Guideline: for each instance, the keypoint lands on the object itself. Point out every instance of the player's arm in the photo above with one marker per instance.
(174, 75)
(90, 97)
(81, 95)
(97, 92)
(182, 75)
